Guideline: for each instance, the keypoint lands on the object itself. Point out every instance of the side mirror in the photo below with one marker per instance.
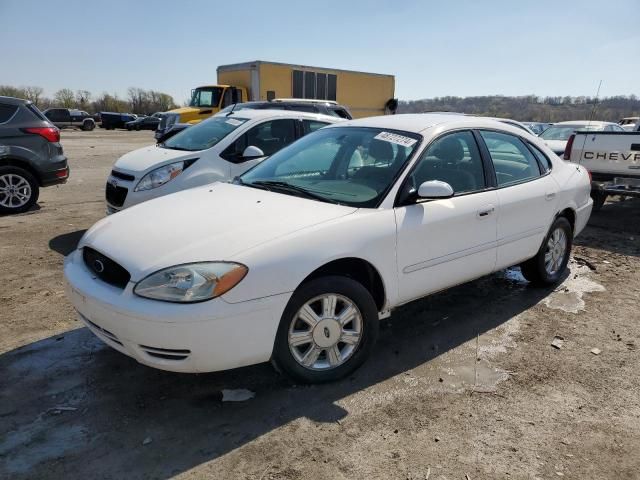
(252, 152)
(435, 189)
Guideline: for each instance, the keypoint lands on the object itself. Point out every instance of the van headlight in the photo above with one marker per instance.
(191, 282)
(160, 176)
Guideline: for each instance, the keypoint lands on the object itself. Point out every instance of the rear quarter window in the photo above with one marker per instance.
(6, 112)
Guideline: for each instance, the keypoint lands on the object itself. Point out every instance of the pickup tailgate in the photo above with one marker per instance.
(608, 154)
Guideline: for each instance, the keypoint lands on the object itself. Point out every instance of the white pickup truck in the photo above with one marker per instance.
(612, 159)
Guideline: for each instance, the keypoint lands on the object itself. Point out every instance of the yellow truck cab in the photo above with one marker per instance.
(209, 100)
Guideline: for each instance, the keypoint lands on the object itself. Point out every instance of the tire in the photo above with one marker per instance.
(25, 190)
(537, 270)
(598, 200)
(137, 128)
(88, 126)
(361, 330)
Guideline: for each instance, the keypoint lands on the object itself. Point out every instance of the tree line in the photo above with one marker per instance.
(531, 107)
(138, 100)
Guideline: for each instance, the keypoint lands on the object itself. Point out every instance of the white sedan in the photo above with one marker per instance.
(216, 149)
(300, 257)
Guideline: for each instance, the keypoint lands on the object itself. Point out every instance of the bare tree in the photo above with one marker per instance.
(83, 97)
(34, 94)
(65, 98)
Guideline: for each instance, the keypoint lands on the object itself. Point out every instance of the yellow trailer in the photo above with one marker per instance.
(365, 94)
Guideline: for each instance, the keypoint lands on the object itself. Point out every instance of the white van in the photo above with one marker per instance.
(217, 149)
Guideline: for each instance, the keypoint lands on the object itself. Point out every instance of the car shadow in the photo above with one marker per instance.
(33, 210)
(82, 400)
(615, 228)
(66, 243)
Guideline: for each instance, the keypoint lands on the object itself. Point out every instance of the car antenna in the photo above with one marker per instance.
(593, 112)
(232, 109)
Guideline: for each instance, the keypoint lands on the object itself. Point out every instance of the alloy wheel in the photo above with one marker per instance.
(325, 332)
(15, 191)
(556, 251)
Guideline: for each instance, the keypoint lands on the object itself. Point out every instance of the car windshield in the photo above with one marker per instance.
(203, 135)
(206, 97)
(565, 131)
(352, 166)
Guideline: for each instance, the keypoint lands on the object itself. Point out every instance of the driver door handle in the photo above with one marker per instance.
(550, 195)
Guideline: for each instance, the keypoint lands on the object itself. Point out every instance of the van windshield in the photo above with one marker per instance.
(203, 135)
(206, 97)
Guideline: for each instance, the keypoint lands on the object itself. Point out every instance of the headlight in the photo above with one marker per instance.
(160, 176)
(192, 282)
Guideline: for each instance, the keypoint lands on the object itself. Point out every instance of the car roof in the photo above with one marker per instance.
(418, 122)
(251, 114)
(13, 101)
(583, 122)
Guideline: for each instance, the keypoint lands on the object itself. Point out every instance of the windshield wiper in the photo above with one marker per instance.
(177, 148)
(288, 187)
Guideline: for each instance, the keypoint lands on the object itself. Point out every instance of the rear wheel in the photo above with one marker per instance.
(18, 190)
(547, 267)
(327, 330)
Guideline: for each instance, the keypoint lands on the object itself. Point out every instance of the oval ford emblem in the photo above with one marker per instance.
(98, 266)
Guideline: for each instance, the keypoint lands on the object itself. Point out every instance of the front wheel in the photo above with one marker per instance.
(327, 330)
(18, 190)
(547, 267)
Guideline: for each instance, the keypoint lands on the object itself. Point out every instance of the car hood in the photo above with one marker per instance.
(214, 222)
(556, 145)
(144, 158)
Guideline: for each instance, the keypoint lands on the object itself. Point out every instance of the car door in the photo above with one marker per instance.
(269, 136)
(526, 197)
(441, 243)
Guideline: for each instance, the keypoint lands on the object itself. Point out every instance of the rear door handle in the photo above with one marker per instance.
(485, 212)
(550, 195)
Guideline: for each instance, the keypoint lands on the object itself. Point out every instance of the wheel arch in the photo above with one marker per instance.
(570, 214)
(357, 269)
(17, 162)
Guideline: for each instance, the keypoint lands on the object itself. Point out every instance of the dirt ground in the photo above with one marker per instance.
(464, 384)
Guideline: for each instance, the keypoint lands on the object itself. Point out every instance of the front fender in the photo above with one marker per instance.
(280, 265)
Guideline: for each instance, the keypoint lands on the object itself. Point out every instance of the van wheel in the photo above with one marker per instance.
(547, 267)
(19, 190)
(327, 330)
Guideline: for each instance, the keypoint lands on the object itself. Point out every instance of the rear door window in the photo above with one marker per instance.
(512, 160)
(312, 125)
(6, 112)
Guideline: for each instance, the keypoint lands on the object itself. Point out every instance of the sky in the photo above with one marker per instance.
(434, 48)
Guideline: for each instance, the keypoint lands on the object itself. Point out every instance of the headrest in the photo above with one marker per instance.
(449, 149)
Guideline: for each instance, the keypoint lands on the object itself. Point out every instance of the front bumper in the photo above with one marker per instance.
(201, 337)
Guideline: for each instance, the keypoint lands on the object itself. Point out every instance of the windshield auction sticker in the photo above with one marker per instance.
(395, 138)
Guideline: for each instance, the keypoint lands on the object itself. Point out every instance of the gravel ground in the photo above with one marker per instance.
(463, 384)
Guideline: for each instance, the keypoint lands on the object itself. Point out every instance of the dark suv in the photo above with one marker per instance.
(68, 117)
(30, 155)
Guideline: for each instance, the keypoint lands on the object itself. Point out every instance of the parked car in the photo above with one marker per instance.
(145, 123)
(537, 127)
(68, 117)
(612, 159)
(556, 136)
(324, 107)
(170, 132)
(218, 148)
(630, 124)
(299, 258)
(113, 120)
(31, 155)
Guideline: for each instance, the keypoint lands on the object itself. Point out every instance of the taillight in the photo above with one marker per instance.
(590, 176)
(567, 149)
(51, 134)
